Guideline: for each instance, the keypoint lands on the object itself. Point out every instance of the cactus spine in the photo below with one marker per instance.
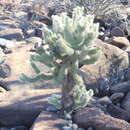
(70, 44)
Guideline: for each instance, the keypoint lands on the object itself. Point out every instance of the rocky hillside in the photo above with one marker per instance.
(23, 105)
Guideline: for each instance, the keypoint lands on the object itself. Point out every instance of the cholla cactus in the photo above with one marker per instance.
(70, 44)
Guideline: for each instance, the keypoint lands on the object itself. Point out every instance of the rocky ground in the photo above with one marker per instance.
(23, 105)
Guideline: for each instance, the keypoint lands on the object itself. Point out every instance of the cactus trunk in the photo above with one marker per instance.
(67, 93)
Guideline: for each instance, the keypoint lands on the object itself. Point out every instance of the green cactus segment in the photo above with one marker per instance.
(55, 100)
(64, 49)
(25, 78)
(89, 61)
(93, 57)
(78, 79)
(88, 52)
(59, 74)
(35, 67)
(44, 58)
(81, 97)
(93, 51)
(78, 13)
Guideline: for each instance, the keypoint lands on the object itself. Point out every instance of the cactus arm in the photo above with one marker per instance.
(93, 51)
(85, 52)
(78, 79)
(44, 58)
(77, 13)
(35, 68)
(94, 56)
(25, 78)
(89, 61)
(82, 97)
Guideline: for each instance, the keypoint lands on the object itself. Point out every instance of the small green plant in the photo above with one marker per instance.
(70, 44)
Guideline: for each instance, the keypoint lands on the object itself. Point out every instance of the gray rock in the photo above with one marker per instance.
(104, 86)
(104, 100)
(7, 23)
(124, 2)
(127, 74)
(11, 33)
(116, 97)
(95, 118)
(19, 128)
(118, 112)
(126, 102)
(90, 128)
(67, 128)
(14, 128)
(4, 128)
(116, 31)
(121, 87)
(5, 71)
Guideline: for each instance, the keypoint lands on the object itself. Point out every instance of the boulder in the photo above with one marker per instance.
(117, 31)
(110, 58)
(126, 102)
(121, 87)
(22, 107)
(118, 112)
(95, 118)
(47, 121)
(116, 97)
(127, 75)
